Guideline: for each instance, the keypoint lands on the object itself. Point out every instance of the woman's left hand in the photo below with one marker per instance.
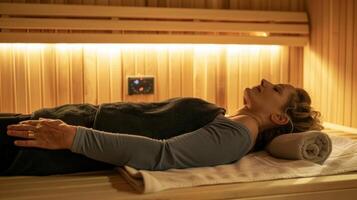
(43, 133)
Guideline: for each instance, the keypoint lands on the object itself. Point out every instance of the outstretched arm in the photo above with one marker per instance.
(219, 142)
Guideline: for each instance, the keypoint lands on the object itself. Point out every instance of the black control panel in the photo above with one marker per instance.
(140, 85)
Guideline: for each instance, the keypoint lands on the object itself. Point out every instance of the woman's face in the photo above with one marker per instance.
(267, 98)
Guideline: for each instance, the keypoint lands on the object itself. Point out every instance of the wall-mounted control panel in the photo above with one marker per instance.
(140, 85)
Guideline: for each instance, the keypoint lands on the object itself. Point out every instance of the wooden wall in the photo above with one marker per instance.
(330, 61)
(45, 75)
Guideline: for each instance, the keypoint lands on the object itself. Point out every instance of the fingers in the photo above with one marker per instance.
(22, 134)
(27, 143)
(49, 122)
(52, 123)
(21, 127)
(30, 122)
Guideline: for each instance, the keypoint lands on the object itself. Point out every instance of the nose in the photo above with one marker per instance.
(265, 83)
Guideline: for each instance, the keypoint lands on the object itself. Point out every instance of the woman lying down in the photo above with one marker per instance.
(163, 136)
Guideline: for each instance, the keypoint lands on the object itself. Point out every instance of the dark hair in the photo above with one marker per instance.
(302, 116)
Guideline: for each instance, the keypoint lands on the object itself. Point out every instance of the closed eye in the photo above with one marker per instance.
(277, 89)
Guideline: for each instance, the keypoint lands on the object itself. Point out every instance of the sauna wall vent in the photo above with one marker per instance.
(61, 23)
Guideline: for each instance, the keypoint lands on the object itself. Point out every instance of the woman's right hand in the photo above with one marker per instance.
(43, 133)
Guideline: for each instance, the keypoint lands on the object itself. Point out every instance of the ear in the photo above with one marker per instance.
(279, 119)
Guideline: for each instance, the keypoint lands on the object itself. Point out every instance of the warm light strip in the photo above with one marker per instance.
(231, 48)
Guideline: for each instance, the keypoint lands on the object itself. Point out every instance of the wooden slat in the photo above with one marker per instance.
(140, 25)
(116, 76)
(284, 65)
(21, 104)
(63, 68)
(275, 66)
(90, 74)
(150, 38)
(162, 74)
(103, 75)
(148, 12)
(6, 80)
(325, 61)
(233, 77)
(200, 67)
(316, 87)
(211, 74)
(128, 63)
(76, 77)
(334, 6)
(348, 67)
(354, 68)
(48, 76)
(150, 69)
(187, 72)
(34, 76)
(221, 83)
(265, 61)
(341, 62)
(174, 73)
(140, 70)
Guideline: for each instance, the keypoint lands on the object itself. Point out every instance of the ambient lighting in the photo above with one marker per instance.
(260, 34)
(158, 47)
(252, 48)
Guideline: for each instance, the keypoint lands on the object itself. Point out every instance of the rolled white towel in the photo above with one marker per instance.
(315, 146)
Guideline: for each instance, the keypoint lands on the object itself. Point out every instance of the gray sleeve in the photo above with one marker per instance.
(219, 142)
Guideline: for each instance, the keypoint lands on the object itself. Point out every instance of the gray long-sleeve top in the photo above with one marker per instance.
(221, 141)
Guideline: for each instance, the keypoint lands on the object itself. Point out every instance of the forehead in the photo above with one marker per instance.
(287, 88)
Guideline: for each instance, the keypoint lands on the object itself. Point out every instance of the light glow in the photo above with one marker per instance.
(117, 47)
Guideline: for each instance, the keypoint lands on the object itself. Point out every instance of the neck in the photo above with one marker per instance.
(258, 120)
(251, 121)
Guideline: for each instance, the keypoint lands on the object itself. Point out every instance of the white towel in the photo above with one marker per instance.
(314, 146)
(257, 166)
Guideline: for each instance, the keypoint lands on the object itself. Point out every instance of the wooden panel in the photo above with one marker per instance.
(139, 12)
(103, 75)
(49, 77)
(21, 103)
(76, 74)
(116, 76)
(330, 60)
(187, 72)
(150, 38)
(348, 65)
(34, 72)
(98, 73)
(7, 100)
(233, 76)
(354, 68)
(63, 67)
(60, 23)
(141, 25)
(162, 88)
(174, 73)
(128, 62)
(90, 74)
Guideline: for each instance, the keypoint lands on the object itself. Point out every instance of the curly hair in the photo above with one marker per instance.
(302, 118)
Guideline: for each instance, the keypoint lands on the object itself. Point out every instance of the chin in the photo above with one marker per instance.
(247, 96)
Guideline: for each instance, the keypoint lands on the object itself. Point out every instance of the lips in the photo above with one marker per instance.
(257, 88)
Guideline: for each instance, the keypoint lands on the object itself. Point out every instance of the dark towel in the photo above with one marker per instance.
(159, 120)
(74, 114)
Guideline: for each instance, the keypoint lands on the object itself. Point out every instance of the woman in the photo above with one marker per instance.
(269, 110)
